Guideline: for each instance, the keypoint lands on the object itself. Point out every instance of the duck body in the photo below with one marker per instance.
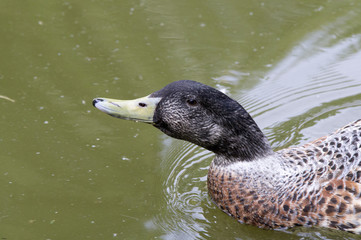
(317, 184)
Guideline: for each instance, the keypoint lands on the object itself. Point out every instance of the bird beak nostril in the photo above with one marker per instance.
(96, 100)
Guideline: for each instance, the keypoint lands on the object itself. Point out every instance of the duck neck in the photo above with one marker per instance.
(229, 152)
(243, 141)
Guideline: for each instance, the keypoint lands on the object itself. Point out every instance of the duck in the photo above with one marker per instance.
(316, 184)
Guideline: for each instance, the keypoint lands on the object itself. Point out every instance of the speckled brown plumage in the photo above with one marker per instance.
(315, 184)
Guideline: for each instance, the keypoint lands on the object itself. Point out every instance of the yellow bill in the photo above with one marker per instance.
(140, 109)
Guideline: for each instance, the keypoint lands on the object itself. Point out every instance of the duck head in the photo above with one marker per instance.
(197, 113)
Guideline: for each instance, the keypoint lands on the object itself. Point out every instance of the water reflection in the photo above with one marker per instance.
(306, 88)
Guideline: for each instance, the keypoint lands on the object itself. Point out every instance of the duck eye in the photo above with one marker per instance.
(192, 102)
(142, 104)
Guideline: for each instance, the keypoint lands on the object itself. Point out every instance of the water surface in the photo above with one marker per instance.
(70, 172)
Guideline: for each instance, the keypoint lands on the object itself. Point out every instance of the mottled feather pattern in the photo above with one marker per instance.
(315, 184)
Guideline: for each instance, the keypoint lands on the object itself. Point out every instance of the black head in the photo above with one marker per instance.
(202, 115)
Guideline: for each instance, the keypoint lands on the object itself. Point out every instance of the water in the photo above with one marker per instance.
(69, 171)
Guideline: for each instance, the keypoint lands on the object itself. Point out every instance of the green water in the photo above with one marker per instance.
(69, 171)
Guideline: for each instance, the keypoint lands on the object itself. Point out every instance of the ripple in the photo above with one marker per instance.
(185, 192)
(293, 97)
